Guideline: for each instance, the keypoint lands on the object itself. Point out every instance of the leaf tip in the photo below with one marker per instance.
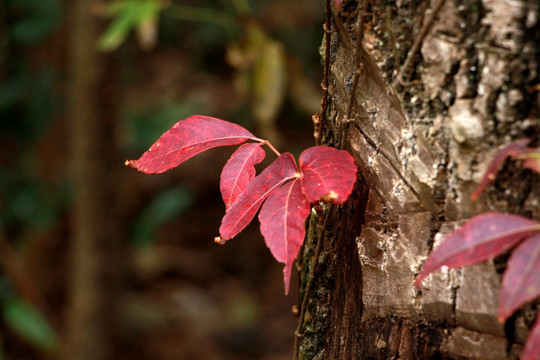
(219, 240)
(130, 163)
(287, 278)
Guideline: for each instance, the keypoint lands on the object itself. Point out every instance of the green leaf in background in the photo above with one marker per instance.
(29, 323)
(31, 206)
(28, 202)
(269, 86)
(12, 91)
(36, 19)
(27, 95)
(129, 15)
(261, 66)
(166, 206)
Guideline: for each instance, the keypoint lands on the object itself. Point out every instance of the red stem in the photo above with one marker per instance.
(267, 143)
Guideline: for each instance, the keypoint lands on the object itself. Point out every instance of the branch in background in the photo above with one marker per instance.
(96, 217)
(391, 36)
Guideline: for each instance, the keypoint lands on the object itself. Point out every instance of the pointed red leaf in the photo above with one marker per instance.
(328, 174)
(532, 346)
(239, 171)
(481, 238)
(186, 139)
(513, 149)
(521, 280)
(245, 207)
(283, 218)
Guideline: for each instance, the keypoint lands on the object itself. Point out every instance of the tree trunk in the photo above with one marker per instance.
(422, 131)
(92, 317)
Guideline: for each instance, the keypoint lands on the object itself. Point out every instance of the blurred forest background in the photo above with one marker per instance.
(99, 261)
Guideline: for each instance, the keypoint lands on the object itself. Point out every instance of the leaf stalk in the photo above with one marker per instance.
(269, 144)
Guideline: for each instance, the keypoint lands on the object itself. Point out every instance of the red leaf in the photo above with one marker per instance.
(245, 207)
(532, 346)
(328, 174)
(521, 282)
(283, 218)
(481, 238)
(513, 149)
(239, 171)
(186, 139)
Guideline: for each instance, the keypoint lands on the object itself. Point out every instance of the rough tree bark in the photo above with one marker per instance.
(422, 132)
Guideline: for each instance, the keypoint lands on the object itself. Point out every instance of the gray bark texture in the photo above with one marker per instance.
(421, 143)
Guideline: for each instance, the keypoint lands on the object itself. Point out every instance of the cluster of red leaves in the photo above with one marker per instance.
(488, 235)
(283, 191)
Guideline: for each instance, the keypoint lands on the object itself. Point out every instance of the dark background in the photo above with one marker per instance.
(180, 295)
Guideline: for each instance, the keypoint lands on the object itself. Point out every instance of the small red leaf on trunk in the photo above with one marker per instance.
(521, 280)
(513, 149)
(481, 238)
(328, 174)
(246, 205)
(532, 346)
(283, 218)
(239, 171)
(338, 4)
(186, 139)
